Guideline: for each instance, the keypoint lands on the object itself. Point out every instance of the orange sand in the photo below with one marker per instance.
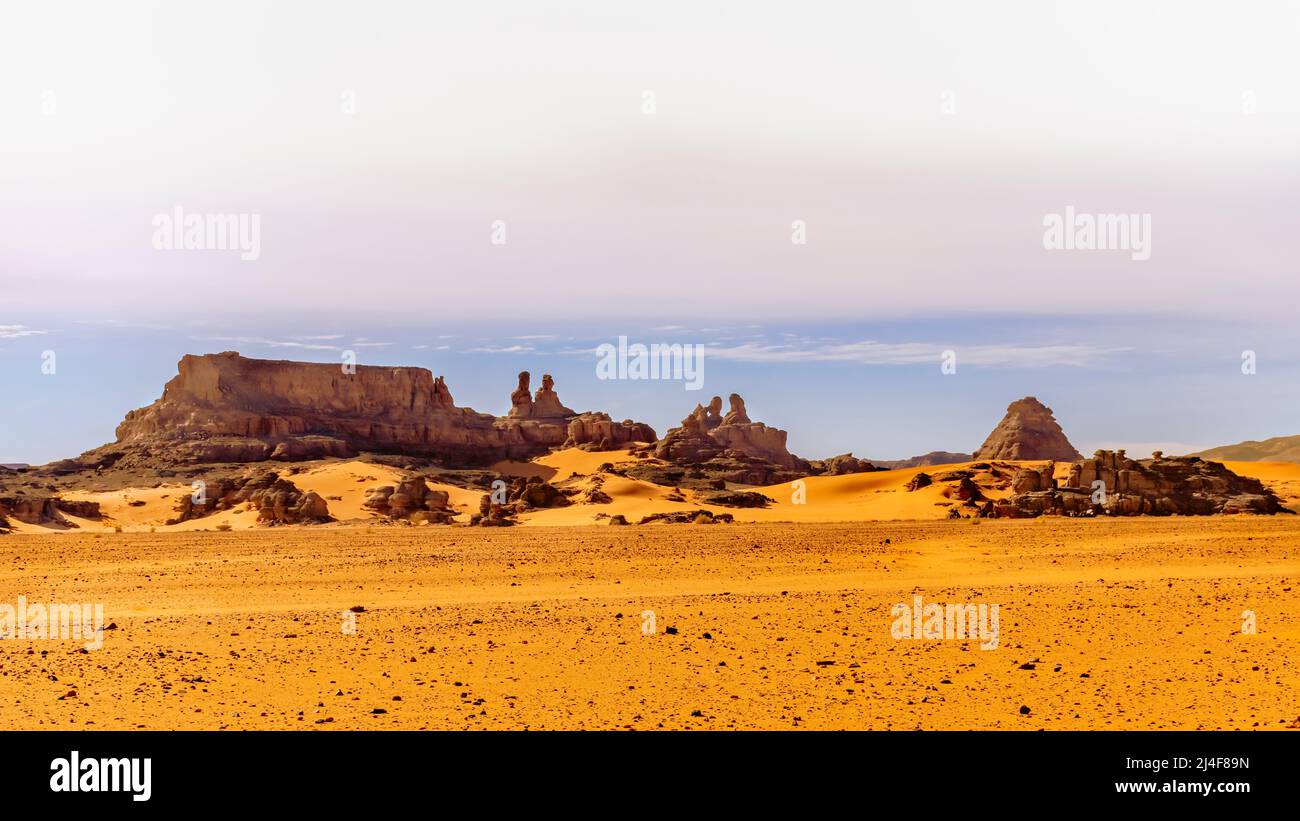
(1113, 623)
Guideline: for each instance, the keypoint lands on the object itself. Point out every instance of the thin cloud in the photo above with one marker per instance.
(19, 332)
(871, 352)
(502, 349)
(271, 343)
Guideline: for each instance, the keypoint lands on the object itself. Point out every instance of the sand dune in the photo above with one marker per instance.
(861, 497)
(562, 464)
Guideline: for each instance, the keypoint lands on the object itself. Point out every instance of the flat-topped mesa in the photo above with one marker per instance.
(228, 408)
(1028, 432)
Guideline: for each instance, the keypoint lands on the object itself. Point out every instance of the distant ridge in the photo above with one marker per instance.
(934, 457)
(1277, 449)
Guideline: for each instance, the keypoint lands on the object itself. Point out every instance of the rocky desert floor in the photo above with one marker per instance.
(1116, 624)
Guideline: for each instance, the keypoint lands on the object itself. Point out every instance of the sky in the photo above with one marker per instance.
(826, 197)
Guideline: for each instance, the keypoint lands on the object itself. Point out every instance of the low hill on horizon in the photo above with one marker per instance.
(1277, 449)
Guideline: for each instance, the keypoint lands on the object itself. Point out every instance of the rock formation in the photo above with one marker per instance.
(1110, 483)
(697, 440)
(45, 510)
(546, 404)
(521, 400)
(412, 500)
(920, 480)
(276, 500)
(734, 449)
(522, 495)
(1028, 432)
(840, 465)
(737, 415)
(223, 408)
(227, 408)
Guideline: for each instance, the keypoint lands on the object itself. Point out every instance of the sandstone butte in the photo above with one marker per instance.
(1028, 432)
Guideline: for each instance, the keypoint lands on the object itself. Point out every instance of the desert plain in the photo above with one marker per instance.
(780, 620)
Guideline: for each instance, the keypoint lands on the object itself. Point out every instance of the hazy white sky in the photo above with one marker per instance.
(764, 113)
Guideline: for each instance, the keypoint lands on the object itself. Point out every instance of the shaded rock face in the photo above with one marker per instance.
(1160, 486)
(1028, 432)
(276, 500)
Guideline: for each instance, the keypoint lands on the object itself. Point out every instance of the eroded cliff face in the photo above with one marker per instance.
(229, 408)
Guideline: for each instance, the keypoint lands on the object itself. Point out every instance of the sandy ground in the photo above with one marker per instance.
(1128, 624)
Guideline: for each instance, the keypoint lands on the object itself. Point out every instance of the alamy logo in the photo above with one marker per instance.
(179, 231)
(654, 361)
(77, 774)
(53, 621)
(955, 622)
(1098, 232)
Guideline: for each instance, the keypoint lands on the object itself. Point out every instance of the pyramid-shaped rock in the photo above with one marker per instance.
(1027, 432)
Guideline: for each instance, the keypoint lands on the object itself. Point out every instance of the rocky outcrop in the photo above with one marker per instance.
(699, 517)
(1112, 484)
(708, 450)
(841, 465)
(597, 431)
(412, 500)
(1027, 432)
(920, 480)
(522, 495)
(738, 498)
(46, 510)
(699, 439)
(276, 500)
